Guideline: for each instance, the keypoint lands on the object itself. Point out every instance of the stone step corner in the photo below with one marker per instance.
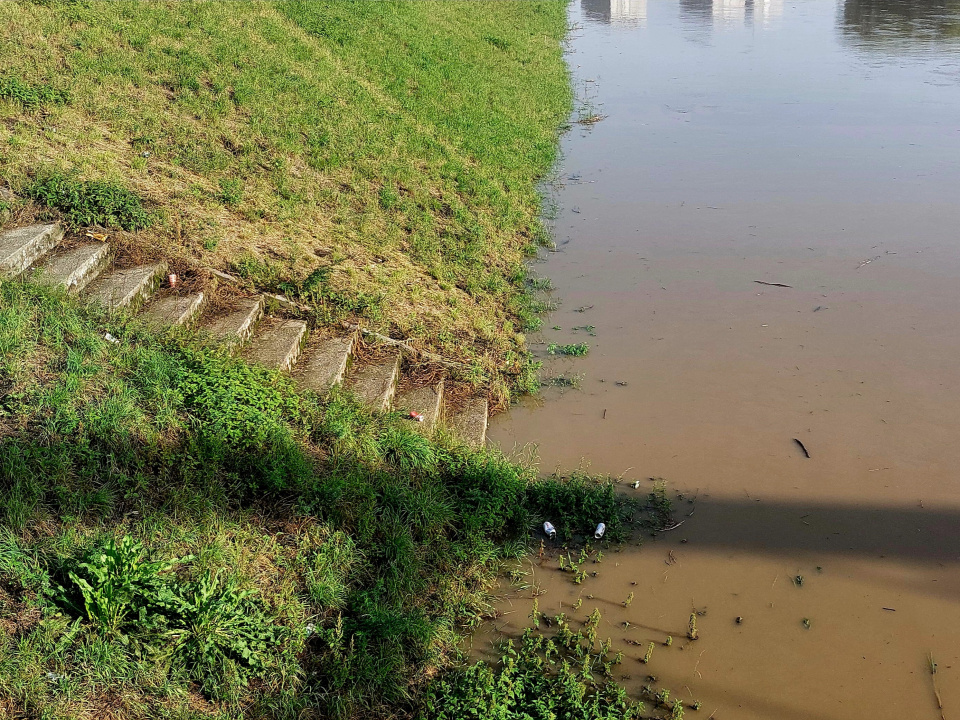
(277, 345)
(76, 268)
(469, 423)
(422, 405)
(127, 288)
(326, 363)
(22, 247)
(375, 384)
(235, 327)
(175, 310)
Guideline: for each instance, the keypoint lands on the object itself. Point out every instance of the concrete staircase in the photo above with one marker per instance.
(317, 364)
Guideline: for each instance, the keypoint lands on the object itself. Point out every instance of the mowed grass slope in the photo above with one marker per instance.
(377, 159)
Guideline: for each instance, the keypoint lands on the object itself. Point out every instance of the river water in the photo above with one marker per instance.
(816, 144)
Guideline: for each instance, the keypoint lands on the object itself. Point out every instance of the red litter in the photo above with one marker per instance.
(173, 279)
(416, 416)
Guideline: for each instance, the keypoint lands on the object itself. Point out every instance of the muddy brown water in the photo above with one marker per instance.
(815, 144)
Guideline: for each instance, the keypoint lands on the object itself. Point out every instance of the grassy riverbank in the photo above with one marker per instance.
(377, 160)
(183, 535)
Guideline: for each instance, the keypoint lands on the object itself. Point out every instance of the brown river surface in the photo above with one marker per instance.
(813, 143)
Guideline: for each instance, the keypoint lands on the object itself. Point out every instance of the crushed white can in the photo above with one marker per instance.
(550, 530)
(598, 533)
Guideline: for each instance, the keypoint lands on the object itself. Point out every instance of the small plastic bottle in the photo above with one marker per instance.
(550, 530)
(598, 533)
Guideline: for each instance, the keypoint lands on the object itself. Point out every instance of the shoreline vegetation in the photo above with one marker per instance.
(183, 535)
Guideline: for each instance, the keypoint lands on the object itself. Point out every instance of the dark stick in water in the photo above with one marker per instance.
(805, 451)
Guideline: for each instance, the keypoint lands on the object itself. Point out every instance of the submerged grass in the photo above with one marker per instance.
(573, 349)
(566, 672)
(376, 159)
(184, 535)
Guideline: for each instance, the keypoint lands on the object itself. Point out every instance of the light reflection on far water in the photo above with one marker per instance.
(891, 23)
(615, 12)
(862, 23)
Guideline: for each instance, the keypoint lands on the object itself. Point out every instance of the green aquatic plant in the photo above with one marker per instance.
(648, 655)
(539, 676)
(574, 349)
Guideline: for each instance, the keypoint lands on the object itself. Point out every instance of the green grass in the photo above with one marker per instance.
(183, 535)
(544, 676)
(395, 147)
(89, 202)
(31, 96)
(567, 672)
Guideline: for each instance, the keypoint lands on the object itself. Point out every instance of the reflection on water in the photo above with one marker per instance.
(865, 22)
(879, 23)
(731, 12)
(615, 12)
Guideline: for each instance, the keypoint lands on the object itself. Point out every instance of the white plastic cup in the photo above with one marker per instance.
(598, 533)
(550, 530)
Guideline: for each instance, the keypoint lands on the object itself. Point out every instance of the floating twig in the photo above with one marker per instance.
(806, 453)
(761, 282)
(936, 688)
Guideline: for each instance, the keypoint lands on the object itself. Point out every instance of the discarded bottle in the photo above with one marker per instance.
(550, 530)
(598, 533)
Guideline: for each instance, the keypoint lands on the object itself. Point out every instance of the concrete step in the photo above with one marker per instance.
(326, 364)
(237, 326)
(277, 346)
(21, 248)
(76, 268)
(127, 288)
(426, 401)
(174, 310)
(376, 384)
(469, 423)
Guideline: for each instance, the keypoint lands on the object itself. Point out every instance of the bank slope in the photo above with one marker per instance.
(376, 160)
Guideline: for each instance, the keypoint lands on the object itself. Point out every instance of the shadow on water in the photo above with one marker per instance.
(912, 536)
(924, 535)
